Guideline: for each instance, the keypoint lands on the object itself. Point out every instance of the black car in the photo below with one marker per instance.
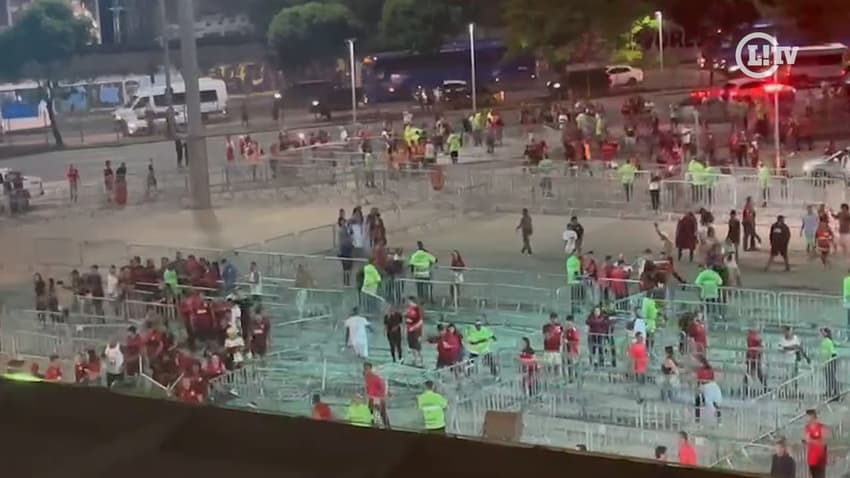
(586, 82)
(322, 97)
(458, 95)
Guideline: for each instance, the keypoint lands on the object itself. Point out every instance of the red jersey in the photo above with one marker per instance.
(231, 153)
(448, 348)
(73, 175)
(754, 347)
(814, 439)
(824, 239)
(375, 386)
(572, 338)
(697, 333)
(79, 372)
(640, 358)
(687, 455)
(133, 346)
(414, 319)
(154, 343)
(553, 336)
(53, 374)
(322, 411)
(527, 361)
(188, 395)
(213, 370)
(704, 374)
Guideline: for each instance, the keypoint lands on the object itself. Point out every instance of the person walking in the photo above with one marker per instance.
(687, 453)
(780, 236)
(376, 393)
(748, 220)
(627, 177)
(809, 229)
(709, 283)
(479, 339)
(764, 183)
(433, 406)
(686, 235)
(73, 182)
(815, 440)
(525, 228)
(828, 357)
(733, 231)
(393, 322)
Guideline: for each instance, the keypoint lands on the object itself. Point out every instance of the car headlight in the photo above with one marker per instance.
(315, 103)
(556, 85)
(391, 89)
(277, 96)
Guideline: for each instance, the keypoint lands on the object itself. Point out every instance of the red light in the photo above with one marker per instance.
(773, 88)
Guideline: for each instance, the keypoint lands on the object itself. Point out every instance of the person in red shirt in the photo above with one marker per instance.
(73, 182)
(153, 341)
(553, 339)
(260, 333)
(54, 370)
(572, 338)
(376, 393)
(203, 323)
(186, 393)
(599, 333)
(80, 369)
(230, 149)
(687, 453)
(214, 367)
(528, 364)
(755, 347)
(448, 347)
(605, 278)
(697, 334)
(618, 277)
(132, 351)
(414, 319)
(321, 410)
(815, 439)
(92, 367)
(640, 357)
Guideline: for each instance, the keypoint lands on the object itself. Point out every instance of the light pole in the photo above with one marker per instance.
(116, 10)
(166, 58)
(199, 175)
(777, 160)
(353, 81)
(660, 18)
(472, 64)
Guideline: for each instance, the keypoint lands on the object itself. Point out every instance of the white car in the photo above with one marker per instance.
(33, 184)
(624, 75)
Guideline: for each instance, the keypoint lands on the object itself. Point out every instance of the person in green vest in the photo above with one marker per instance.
(828, 354)
(477, 127)
(846, 294)
(358, 413)
(709, 283)
(627, 177)
(546, 166)
(573, 269)
(479, 340)
(764, 183)
(433, 407)
(454, 143)
(421, 262)
(169, 278)
(696, 171)
(21, 377)
(371, 284)
(649, 311)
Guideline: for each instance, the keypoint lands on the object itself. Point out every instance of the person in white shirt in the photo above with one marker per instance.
(570, 238)
(235, 313)
(792, 352)
(357, 333)
(343, 135)
(255, 280)
(234, 345)
(638, 327)
(114, 363)
(112, 294)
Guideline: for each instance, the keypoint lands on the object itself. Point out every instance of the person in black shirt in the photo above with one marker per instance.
(393, 325)
(661, 453)
(780, 236)
(577, 228)
(733, 236)
(782, 464)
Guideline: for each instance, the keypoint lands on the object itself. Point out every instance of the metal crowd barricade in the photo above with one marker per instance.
(829, 310)
(481, 296)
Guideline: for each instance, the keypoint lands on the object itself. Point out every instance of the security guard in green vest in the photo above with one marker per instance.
(479, 339)
(421, 262)
(358, 413)
(433, 407)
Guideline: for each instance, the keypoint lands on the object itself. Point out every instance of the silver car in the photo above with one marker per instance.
(836, 166)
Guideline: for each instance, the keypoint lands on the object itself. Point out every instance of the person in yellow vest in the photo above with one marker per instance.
(696, 173)
(421, 262)
(627, 177)
(433, 407)
(846, 294)
(711, 177)
(358, 413)
(371, 284)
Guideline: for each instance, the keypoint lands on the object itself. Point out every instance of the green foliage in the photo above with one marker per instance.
(421, 26)
(312, 33)
(578, 31)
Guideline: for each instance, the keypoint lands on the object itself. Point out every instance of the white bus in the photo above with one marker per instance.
(131, 117)
(22, 107)
(815, 64)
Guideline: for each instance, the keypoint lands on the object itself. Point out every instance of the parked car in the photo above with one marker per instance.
(833, 166)
(456, 94)
(624, 75)
(584, 82)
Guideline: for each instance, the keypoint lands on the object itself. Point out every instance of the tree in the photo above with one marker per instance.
(420, 26)
(311, 33)
(40, 45)
(569, 32)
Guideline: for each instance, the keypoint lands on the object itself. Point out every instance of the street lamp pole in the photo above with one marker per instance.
(353, 81)
(777, 145)
(660, 18)
(199, 175)
(472, 64)
(116, 10)
(166, 58)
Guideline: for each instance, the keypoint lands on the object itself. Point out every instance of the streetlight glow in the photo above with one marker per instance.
(353, 81)
(472, 65)
(660, 18)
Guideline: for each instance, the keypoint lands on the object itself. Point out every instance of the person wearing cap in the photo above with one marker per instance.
(479, 339)
(358, 413)
(782, 464)
(780, 236)
(433, 407)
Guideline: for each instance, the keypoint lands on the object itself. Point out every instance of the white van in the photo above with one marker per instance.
(131, 118)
